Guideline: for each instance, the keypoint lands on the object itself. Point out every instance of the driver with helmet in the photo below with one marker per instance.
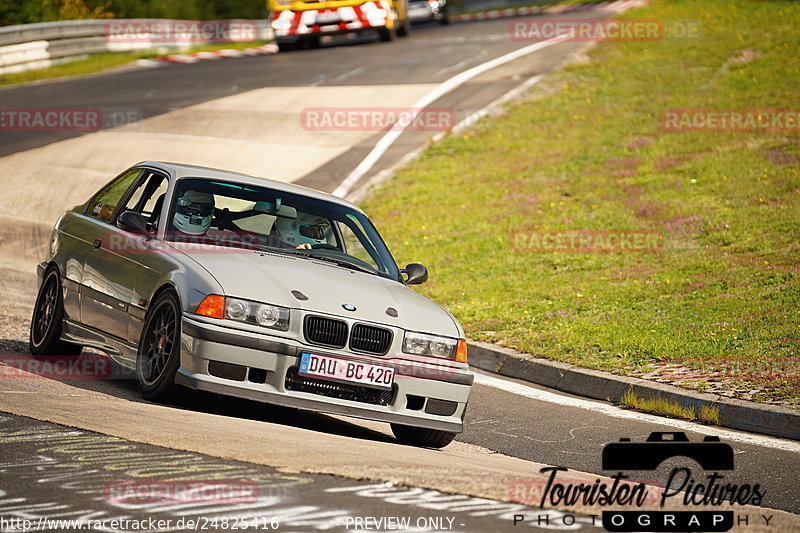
(193, 212)
(302, 232)
(195, 209)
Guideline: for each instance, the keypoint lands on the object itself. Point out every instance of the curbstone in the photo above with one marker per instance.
(771, 420)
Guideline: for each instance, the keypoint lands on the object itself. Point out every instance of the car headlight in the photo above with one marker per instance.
(432, 345)
(266, 315)
(261, 314)
(236, 309)
(270, 316)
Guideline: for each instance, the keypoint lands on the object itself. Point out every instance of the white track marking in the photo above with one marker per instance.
(616, 412)
(318, 81)
(440, 90)
(465, 123)
(445, 87)
(454, 68)
(347, 74)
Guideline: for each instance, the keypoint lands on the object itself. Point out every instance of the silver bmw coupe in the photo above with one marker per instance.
(251, 288)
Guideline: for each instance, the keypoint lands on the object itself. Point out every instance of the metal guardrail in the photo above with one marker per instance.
(40, 45)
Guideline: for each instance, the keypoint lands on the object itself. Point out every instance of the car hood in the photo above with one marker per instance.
(271, 277)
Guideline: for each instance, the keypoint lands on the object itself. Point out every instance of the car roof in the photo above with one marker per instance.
(179, 170)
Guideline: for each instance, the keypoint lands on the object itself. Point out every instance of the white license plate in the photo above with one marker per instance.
(322, 366)
(328, 17)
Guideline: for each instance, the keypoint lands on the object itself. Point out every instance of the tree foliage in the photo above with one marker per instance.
(28, 11)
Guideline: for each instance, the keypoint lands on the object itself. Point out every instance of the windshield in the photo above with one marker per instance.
(221, 213)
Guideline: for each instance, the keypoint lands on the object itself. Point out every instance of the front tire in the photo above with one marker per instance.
(158, 357)
(48, 319)
(404, 28)
(428, 438)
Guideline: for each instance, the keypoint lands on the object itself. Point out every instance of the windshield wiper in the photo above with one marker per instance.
(340, 262)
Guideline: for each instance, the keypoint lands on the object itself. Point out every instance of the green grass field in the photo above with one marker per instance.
(715, 307)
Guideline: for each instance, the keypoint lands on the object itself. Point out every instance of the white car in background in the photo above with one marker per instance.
(427, 10)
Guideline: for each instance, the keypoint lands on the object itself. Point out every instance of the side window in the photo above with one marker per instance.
(136, 195)
(103, 205)
(144, 198)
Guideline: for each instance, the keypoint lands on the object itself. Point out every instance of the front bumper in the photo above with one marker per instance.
(259, 367)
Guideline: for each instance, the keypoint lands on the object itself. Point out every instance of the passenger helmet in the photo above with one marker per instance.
(193, 212)
(305, 229)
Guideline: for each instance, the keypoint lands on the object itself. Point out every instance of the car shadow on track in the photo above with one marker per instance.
(92, 371)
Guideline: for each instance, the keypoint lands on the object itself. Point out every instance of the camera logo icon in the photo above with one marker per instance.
(711, 454)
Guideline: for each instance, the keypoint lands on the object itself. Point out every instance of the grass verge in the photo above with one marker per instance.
(663, 407)
(514, 5)
(715, 305)
(100, 62)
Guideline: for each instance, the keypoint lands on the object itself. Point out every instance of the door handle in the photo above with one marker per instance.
(97, 244)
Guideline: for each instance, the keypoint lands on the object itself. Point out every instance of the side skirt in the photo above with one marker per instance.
(119, 350)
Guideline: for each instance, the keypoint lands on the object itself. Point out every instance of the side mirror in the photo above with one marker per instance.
(415, 273)
(133, 221)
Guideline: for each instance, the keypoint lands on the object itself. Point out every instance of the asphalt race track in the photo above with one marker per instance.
(65, 444)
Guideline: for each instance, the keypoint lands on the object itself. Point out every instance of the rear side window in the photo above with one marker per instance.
(105, 203)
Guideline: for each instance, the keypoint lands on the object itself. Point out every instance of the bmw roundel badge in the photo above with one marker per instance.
(349, 307)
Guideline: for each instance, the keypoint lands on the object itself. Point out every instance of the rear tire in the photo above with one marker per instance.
(47, 321)
(404, 29)
(428, 438)
(386, 34)
(286, 47)
(158, 357)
